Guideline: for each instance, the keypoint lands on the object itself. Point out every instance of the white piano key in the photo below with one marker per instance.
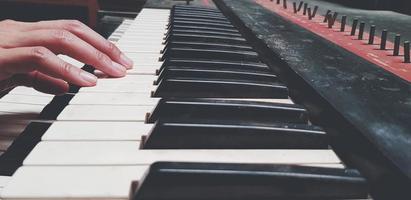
(26, 99)
(121, 88)
(4, 180)
(96, 131)
(149, 70)
(104, 113)
(108, 182)
(141, 99)
(128, 153)
(141, 48)
(147, 61)
(27, 91)
(20, 108)
(127, 80)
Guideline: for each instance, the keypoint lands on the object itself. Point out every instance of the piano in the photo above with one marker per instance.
(228, 99)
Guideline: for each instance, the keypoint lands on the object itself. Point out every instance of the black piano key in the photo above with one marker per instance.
(198, 21)
(216, 65)
(205, 181)
(215, 88)
(191, 8)
(199, 72)
(13, 158)
(55, 107)
(206, 38)
(201, 32)
(189, 109)
(203, 28)
(198, 16)
(192, 53)
(206, 45)
(236, 135)
(201, 20)
(197, 13)
(206, 24)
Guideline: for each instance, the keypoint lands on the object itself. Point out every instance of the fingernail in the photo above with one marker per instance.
(119, 68)
(90, 78)
(126, 61)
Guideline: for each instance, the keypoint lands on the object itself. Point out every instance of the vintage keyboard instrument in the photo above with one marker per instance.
(227, 100)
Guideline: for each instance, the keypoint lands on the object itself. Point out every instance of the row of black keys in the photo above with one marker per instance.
(206, 123)
(205, 56)
(230, 124)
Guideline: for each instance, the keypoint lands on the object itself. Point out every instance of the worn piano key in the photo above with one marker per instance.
(96, 131)
(104, 113)
(128, 153)
(210, 134)
(223, 109)
(245, 181)
(197, 53)
(202, 72)
(219, 88)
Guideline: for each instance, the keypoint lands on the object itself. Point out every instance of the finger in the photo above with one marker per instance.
(30, 59)
(88, 35)
(41, 82)
(61, 41)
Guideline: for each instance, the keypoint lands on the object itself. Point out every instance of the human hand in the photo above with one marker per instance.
(28, 55)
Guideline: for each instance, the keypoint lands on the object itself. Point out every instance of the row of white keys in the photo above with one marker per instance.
(130, 94)
(23, 105)
(99, 144)
(62, 182)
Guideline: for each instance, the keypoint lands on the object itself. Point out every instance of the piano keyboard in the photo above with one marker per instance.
(197, 78)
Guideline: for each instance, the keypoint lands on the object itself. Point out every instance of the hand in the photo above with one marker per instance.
(28, 55)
